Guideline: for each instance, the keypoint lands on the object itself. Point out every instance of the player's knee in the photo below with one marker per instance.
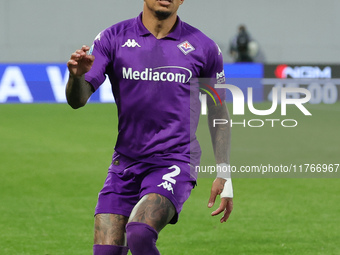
(141, 238)
(159, 207)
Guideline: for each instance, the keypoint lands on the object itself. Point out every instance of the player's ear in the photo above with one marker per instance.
(181, 2)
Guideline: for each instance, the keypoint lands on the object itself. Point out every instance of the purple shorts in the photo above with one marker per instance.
(129, 180)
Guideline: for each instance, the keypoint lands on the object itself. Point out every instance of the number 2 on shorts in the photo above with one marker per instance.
(170, 176)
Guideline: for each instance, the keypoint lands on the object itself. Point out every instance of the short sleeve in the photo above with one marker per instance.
(214, 72)
(101, 50)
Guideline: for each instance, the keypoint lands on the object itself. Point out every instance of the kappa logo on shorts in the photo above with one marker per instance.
(131, 43)
(186, 47)
(166, 186)
(169, 178)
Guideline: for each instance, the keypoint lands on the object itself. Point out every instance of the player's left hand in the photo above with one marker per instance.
(226, 204)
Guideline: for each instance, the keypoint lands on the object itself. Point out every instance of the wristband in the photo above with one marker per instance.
(223, 171)
(228, 189)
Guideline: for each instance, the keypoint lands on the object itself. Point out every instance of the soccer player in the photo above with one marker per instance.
(152, 61)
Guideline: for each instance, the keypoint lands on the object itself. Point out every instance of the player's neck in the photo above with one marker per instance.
(159, 28)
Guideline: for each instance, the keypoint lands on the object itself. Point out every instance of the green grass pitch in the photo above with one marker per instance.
(53, 162)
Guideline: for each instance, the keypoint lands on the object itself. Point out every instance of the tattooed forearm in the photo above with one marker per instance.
(109, 229)
(220, 134)
(154, 210)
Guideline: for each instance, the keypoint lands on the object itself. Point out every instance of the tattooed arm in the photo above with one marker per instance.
(78, 91)
(220, 136)
(221, 133)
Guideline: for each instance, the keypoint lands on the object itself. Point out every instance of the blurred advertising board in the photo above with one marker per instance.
(323, 81)
(40, 83)
(45, 82)
(244, 76)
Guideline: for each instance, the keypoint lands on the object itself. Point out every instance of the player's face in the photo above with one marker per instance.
(163, 8)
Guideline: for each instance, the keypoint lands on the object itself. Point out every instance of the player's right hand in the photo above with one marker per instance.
(80, 62)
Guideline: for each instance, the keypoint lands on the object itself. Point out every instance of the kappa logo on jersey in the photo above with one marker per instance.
(186, 47)
(219, 49)
(166, 185)
(95, 39)
(131, 43)
(98, 37)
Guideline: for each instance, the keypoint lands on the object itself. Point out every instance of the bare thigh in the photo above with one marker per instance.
(109, 229)
(153, 209)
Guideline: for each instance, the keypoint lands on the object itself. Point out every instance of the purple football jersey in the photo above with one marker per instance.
(158, 105)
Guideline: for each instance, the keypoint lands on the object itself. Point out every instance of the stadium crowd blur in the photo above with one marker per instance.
(244, 48)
